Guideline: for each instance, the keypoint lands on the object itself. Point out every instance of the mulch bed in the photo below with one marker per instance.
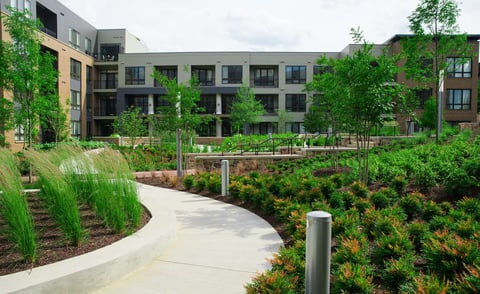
(52, 246)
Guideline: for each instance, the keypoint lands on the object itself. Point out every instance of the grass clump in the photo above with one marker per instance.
(14, 209)
(57, 194)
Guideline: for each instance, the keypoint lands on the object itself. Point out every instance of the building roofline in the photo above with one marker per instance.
(397, 37)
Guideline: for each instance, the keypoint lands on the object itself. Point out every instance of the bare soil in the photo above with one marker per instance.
(52, 246)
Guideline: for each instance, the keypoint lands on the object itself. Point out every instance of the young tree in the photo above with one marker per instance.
(436, 37)
(283, 117)
(325, 111)
(358, 93)
(27, 73)
(130, 124)
(245, 109)
(180, 114)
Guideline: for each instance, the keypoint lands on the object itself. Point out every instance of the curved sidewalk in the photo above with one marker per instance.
(218, 249)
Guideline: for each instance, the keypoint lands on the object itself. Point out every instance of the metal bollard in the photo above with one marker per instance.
(317, 264)
(225, 177)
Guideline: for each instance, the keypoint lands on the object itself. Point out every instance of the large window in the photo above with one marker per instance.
(140, 101)
(209, 103)
(74, 38)
(75, 99)
(295, 74)
(264, 76)
(459, 99)
(232, 74)
(269, 102)
(205, 75)
(296, 102)
(135, 75)
(459, 67)
(75, 69)
(227, 101)
(75, 128)
(108, 80)
(169, 71)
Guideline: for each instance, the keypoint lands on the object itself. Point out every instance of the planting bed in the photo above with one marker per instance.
(52, 245)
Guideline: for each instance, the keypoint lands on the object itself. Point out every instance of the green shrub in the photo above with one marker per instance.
(412, 204)
(431, 210)
(200, 183)
(391, 246)
(419, 233)
(449, 255)
(359, 189)
(383, 197)
(214, 184)
(188, 181)
(398, 272)
(351, 250)
(353, 278)
(470, 206)
(399, 184)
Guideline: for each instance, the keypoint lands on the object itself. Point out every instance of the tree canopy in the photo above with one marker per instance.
(245, 109)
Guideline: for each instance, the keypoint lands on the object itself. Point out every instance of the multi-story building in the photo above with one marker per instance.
(103, 72)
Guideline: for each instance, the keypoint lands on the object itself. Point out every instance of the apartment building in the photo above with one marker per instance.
(103, 72)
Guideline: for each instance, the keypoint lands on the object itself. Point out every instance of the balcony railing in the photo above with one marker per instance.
(106, 84)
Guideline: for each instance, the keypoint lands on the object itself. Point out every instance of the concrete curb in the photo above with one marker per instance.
(93, 270)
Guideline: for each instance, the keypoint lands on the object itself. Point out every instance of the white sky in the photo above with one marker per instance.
(258, 25)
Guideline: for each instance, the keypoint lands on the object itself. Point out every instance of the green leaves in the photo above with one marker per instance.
(245, 109)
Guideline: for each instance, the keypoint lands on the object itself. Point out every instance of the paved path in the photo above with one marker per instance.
(218, 249)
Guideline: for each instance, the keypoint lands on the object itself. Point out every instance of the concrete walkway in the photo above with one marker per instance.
(218, 249)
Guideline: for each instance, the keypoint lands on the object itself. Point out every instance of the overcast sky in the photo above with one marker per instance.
(258, 25)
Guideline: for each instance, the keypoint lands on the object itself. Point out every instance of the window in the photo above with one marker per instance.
(265, 77)
(74, 39)
(140, 101)
(135, 75)
(107, 105)
(159, 101)
(209, 103)
(205, 75)
(19, 133)
(21, 5)
(108, 80)
(423, 95)
(75, 99)
(89, 74)
(322, 69)
(459, 67)
(207, 129)
(295, 74)
(227, 101)
(295, 127)
(270, 103)
(296, 102)
(75, 128)
(75, 69)
(88, 46)
(459, 99)
(232, 74)
(170, 72)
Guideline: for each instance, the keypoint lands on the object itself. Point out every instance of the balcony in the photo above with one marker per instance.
(105, 111)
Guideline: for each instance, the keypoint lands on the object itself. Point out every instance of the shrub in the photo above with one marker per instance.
(214, 184)
(351, 250)
(200, 183)
(470, 206)
(392, 246)
(448, 254)
(398, 272)
(383, 198)
(353, 278)
(419, 233)
(188, 181)
(359, 189)
(431, 210)
(399, 184)
(412, 204)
